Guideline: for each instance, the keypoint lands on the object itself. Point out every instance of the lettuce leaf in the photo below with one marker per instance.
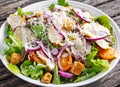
(21, 12)
(28, 69)
(15, 45)
(15, 40)
(13, 68)
(56, 77)
(103, 20)
(95, 64)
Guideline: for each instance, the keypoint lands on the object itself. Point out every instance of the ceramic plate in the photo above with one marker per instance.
(95, 12)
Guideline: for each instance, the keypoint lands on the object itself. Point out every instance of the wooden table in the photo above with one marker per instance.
(110, 7)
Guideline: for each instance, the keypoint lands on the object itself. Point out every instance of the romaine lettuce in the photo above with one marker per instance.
(28, 69)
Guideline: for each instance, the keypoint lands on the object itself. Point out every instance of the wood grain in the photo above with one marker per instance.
(110, 7)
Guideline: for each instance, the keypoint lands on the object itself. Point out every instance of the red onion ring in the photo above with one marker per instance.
(79, 15)
(59, 54)
(102, 35)
(65, 74)
(59, 32)
(30, 46)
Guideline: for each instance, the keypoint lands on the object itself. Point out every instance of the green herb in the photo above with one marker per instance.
(38, 30)
(13, 68)
(51, 7)
(63, 3)
(103, 20)
(56, 77)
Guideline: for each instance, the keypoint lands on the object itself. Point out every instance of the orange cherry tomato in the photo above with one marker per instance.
(65, 61)
(107, 54)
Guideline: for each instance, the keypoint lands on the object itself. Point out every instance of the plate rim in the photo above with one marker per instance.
(82, 83)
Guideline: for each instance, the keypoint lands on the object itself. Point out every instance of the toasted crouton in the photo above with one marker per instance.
(47, 77)
(15, 58)
(77, 68)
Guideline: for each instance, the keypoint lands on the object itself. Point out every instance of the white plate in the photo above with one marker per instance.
(95, 12)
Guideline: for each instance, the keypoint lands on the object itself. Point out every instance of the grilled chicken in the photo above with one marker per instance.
(91, 30)
(24, 34)
(15, 21)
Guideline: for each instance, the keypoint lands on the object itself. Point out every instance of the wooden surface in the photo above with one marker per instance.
(110, 7)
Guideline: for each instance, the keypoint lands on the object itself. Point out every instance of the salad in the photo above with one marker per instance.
(58, 44)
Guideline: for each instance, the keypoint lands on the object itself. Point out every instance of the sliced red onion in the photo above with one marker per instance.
(32, 46)
(45, 51)
(76, 53)
(59, 54)
(65, 74)
(79, 14)
(62, 49)
(59, 32)
(54, 51)
(102, 35)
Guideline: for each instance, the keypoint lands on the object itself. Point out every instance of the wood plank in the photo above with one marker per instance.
(110, 80)
(7, 9)
(111, 8)
(94, 2)
(117, 20)
(6, 2)
(113, 77)
(11, 8)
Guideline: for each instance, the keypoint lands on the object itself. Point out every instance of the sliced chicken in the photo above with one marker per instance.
(54, 36)
(24, 34)
(92, 29)
(15, 21)
(49, 63)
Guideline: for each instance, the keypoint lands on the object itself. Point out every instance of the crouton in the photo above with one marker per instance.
(47, 77)
(68, 25)
(77, 68)
(15, 58)
(38, 14)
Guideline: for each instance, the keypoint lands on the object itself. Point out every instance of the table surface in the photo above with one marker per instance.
(110, 7)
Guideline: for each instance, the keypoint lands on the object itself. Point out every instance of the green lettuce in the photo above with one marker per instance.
(51, 7)
(21, 12)
(103, 20)
(95, 63)
(15, 45)
(28, 69)
(56, 77)
(63, 3)
(13, 68)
